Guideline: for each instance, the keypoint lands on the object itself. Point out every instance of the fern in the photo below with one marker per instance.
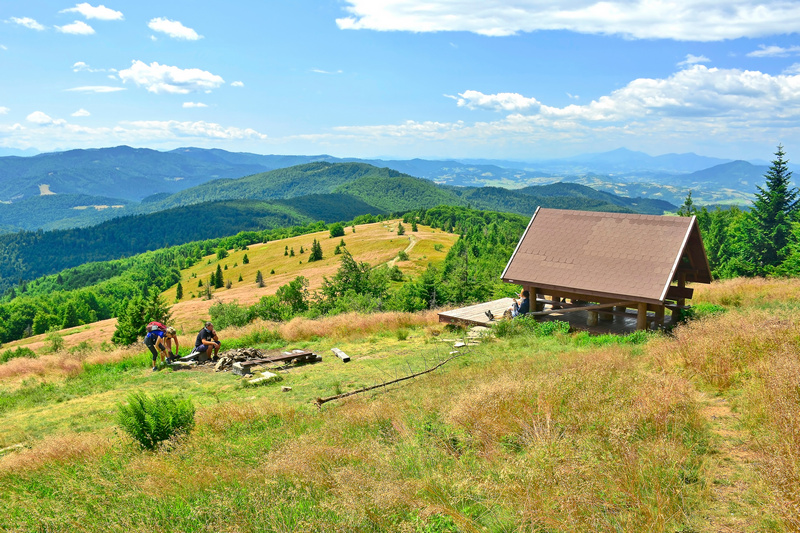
(153, 419)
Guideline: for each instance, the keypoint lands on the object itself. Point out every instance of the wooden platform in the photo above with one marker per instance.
(475, 315)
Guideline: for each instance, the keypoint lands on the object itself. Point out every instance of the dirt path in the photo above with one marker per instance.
(731, 471)
(412, 242)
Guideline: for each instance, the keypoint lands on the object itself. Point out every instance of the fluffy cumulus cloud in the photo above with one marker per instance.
(775, 51)
(89, 11)
(685, 109)
(76, 28)
(684, 20)
(189, 105)
(160, 79)
(81, 113)
(28, 23)
(173, 28)
(43, 119)
(173, 129)
(96, 89)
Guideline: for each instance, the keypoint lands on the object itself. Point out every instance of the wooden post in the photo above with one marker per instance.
(641, 317)
(591, 319)
(682, 285)
(606, 317)
(533, 295)
(659, 321)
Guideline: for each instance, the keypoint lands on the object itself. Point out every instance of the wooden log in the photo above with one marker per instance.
(341, 355)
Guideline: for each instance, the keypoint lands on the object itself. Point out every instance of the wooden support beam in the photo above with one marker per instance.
(341, 355)
(641, 317)
(569, 308)
(659, 321)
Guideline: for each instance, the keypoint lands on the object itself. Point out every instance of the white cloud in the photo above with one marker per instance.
(28, 23)
(774, 51)
(100, 12)
(573, 96)
(4, 110)
(42, 119)
(793, 69)
(173, 28)
(692, 59)
(80, 66)
(76, 28)
(165, 79)
(95, 89)
(194, 104)
(3, 47)
(320, 71)
(510, 102)
(683, 20)
(81, 113)
(237, 84)
(200, 129)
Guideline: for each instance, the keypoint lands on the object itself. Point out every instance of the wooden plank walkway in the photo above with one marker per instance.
(475, 315)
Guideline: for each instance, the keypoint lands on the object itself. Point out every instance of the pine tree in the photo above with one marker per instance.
(400, 229)
(245, 260)
(179, 291)
(286, 250)
(259, 279)
(240, 277)
(414, 224)
(301, 249)
(219, 281)
(316, 251)
(291, 252)
(200, 283)
(687, 209)
(773, 212)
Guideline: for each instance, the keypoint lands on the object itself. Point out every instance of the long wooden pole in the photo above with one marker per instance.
(320, 401)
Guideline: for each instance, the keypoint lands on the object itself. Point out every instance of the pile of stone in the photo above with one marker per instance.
(241, 360)
(229, 357)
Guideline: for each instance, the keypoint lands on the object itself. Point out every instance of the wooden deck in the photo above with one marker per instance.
(474, 315)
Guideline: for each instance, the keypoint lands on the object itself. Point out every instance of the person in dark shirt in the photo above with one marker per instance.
(207, 340)
(524, 305)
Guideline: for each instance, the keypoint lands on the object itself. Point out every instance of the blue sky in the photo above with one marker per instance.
(521, 79)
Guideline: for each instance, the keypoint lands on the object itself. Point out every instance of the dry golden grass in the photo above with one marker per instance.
(349, 325)
(748, 292)
(56, 449)
(719, 348)
(60, 365)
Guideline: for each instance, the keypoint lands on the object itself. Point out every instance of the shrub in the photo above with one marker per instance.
(229, 314)
(527, 325)
(21, 351)
(55, 342)
(337, 230)
(402, 256)
(271, 308)
(153, 419)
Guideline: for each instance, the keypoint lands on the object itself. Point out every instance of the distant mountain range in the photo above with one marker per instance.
(82, 187)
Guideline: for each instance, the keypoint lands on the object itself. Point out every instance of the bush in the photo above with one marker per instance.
(21, 351)
(402, 256)
(527, 325)
(153, 419)
(229, 314)
(55, 342)
(271, 308)
(337, 230)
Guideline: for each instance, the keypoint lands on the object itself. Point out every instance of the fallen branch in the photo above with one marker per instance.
(320, 401)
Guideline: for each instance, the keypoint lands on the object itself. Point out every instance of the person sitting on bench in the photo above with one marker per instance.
(207, 340)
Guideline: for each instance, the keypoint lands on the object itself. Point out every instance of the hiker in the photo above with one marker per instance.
(171, 335)
(519, 307)
(207, 339)
(154, 340)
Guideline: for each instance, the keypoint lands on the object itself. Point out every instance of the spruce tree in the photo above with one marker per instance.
(259, 279)
(240, 277)
(773, 212)
(219, 280)
(245, 260)
(414, 224)
(400, 229)
(179, 291)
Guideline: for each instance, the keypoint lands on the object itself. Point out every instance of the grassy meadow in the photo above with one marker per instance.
(530, 431)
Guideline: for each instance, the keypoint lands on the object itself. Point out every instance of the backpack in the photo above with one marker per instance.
(155, 326)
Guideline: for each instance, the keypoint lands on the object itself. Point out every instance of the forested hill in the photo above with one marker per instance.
(334, 192)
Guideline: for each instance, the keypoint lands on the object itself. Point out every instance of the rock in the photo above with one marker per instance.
(459, 344)
(285, 388)
(239, 370)
(222, 363)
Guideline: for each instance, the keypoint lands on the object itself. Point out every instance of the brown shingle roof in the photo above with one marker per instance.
(621, 255)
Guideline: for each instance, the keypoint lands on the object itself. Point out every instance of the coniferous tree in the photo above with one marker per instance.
(219, 281)
(291, 252)
(245, 260)
(772, 214)
(301, 249)
(259, 279)
(240, 277)
(286, 250)
(179, 291)
(316, 251)
(414, 224)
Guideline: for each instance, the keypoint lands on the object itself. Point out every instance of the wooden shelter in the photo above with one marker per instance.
(606, 263)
